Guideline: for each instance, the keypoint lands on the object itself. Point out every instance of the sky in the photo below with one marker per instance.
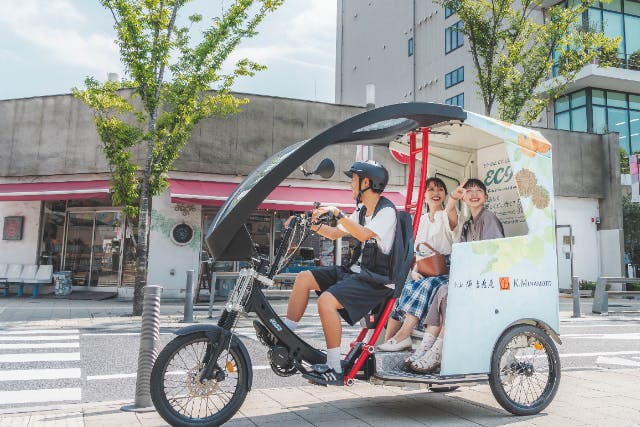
(48, 47)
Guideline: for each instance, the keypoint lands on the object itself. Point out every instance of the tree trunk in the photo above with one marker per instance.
(142, 261)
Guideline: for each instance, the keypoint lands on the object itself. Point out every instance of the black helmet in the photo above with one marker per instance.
(376, 173)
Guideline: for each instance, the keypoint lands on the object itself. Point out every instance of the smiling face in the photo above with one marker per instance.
(435, 196)
(474, 197)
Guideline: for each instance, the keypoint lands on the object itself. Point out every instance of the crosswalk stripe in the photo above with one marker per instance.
(39, 338)
(46, 395)
(39, 374)
(24, 346)
(38, 357)
(40, 331)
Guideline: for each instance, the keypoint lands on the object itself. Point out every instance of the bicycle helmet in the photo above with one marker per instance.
(377, 174)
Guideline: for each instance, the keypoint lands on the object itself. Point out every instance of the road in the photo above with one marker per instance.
(40, 367)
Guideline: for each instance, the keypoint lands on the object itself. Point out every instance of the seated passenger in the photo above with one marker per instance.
(483, 225)
(439, 229)
(352, 290)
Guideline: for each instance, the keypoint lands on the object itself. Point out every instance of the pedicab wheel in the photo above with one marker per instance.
(525, 370)
(182, 399)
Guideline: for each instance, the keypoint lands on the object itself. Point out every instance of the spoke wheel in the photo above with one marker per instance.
(525, 370)
(179, 395)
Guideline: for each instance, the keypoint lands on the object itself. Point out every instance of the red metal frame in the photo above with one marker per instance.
(369, 347)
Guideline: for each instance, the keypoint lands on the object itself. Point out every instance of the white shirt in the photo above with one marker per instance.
(437, 233)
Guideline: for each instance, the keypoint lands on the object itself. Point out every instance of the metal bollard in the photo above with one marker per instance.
(149, 339)
(575, 290)
(188, 298)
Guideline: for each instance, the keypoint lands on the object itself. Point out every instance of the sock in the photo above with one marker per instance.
(333, 359)
(427, 341)
(437, 346)
(291, 324)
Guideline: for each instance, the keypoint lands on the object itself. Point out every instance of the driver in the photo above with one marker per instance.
(350, 291)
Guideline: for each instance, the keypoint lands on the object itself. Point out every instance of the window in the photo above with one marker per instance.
(602, 111)
(454, 77)
(410, 47)
(448, 12)
(571, 112)
(456, 100)
(453, 37)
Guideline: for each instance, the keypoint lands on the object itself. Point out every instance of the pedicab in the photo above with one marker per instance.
(502, 316)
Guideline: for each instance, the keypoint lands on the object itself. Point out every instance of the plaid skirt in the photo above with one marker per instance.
(417, 296)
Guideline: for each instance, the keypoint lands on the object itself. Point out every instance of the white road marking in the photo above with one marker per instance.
(630, 336)
(123, 334)
(611, 353)
(38, 357)
(40, 331)
(23, 346)
(617, 361)
(4, 338)
(46, 395)
(119, 376)
(38, 374)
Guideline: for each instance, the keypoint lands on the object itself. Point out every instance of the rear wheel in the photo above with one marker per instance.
(179, 395)
(525, 370)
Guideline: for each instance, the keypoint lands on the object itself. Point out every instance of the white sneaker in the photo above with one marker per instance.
(426, 343)
(393, 345)
(428, 363)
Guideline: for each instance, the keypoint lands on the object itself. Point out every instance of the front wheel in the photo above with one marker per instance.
(179, 395)
(525, 370)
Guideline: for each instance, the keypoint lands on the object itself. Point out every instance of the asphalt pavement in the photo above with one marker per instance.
(70, 362)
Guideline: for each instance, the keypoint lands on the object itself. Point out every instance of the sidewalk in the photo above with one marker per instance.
(585, 398)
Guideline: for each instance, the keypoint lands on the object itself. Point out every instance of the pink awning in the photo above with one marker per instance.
(284, 197)
(66, 190)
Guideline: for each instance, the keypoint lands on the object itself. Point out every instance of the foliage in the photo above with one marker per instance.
(166, 92)
(513, 53)
(587, 285)
(631, 226)
(624, 161)
(634, 60)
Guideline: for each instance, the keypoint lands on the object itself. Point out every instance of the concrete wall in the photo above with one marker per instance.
(23, 251)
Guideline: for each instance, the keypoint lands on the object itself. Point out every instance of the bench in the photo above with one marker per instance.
(20, 275)
(601, 295)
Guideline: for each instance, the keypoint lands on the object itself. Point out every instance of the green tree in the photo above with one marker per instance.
(513, 51)
(166, 92)
(631, 226)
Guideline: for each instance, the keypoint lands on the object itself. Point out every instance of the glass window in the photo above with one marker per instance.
(634, 102)
(579, 119)
(456, 100)
(634, 122)
(632, 36)
(410, 47)
(52, 234)
(597, 97)
(563, 121)
(615, 5)
(448, 12)
(631, 7)
(613, 27)
(616, 99)
(453, 37)
(562, 104)
(617, 122)
(578, 99)
(454, 77)
(599, 119)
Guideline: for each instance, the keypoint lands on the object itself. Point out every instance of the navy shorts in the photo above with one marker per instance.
(356, 296)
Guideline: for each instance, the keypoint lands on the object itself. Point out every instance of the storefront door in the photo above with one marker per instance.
(93, 247)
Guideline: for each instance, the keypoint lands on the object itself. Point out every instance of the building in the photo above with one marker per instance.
(55, 179)
(412, 51)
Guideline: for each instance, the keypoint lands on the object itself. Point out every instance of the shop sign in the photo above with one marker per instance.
(12, 228)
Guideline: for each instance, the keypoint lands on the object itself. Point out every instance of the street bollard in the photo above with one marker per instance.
(212, 293)
(188, 298)
(575, 290)
(149, 339)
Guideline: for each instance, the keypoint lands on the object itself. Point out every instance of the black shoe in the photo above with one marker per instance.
(322, 374)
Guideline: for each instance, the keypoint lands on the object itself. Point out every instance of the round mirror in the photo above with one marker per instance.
(325, 169)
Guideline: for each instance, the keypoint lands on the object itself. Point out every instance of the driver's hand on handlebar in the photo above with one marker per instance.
(322, 210)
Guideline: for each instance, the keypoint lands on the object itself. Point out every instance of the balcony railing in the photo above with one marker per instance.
(627, 62)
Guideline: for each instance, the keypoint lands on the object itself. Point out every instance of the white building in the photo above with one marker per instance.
(412, 51)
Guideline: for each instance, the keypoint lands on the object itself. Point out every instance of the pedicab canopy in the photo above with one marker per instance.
(492, 283)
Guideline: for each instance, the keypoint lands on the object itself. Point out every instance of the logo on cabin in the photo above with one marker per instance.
(505, 284)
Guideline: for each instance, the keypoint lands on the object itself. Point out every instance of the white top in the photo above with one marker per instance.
(437, 233)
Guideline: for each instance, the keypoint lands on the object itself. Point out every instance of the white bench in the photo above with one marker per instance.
(601, 295)
(29, 274)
